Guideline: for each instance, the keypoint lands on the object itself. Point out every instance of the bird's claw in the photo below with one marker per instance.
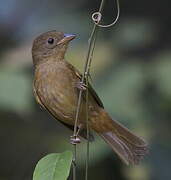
(74, 140)
(81, 86)
(73, 162)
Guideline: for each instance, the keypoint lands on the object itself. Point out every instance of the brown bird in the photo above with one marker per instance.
(56, 88)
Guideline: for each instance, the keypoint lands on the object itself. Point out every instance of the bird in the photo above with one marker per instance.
(56, 87)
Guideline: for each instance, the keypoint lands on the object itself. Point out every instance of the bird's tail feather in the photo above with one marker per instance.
(130, 148)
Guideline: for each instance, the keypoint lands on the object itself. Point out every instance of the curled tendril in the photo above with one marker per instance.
(97, 16)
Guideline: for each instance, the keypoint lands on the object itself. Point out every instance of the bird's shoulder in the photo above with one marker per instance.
(73, 69)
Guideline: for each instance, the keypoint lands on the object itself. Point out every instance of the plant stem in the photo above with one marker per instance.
(85, 79)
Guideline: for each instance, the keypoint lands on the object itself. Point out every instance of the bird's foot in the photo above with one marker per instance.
(81, 86)
(73, 162)
(74, 140)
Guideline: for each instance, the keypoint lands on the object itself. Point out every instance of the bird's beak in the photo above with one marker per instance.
(66, 38)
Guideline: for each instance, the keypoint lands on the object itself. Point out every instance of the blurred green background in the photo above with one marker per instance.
(131, 72)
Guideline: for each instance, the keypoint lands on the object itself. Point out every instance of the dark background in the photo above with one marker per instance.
(131, 72)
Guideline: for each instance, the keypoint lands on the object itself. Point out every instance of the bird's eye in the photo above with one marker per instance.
(50, 41)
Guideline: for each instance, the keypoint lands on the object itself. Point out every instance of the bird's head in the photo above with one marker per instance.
(50, 45)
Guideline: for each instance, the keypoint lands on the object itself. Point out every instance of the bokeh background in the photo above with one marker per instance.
(131, 72)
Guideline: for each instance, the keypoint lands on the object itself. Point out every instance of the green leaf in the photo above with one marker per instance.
(54, 166)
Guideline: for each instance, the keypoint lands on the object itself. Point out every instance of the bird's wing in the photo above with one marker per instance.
(90, 88)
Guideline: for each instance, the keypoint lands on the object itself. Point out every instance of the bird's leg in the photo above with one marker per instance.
(80, 85)
(80, 127)
(75, 139)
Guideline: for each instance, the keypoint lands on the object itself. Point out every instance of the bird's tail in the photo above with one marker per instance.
(130, 148)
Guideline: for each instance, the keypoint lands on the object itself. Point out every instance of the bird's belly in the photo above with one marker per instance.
(60, 98)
